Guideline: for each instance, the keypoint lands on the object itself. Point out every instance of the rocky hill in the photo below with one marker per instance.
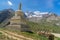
(5, 16)
(38, 17)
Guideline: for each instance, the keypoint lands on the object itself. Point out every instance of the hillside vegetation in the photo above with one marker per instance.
(35, 27)
(44, 26)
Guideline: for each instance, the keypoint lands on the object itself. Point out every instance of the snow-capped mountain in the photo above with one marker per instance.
(35, 14)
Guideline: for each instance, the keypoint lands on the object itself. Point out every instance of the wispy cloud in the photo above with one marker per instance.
(10, 3)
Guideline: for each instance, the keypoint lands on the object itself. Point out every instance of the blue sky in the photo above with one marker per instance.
(33, 5)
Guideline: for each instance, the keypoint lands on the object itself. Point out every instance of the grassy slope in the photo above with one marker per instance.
(3, 37)
(34, 35)
(51, 27)
(57, 38)
(38, 27)
(26, 34)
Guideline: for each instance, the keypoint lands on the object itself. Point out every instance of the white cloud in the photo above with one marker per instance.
(39, 13)
(10, 3)
(36, 12)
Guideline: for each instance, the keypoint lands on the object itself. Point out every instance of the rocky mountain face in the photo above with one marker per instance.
(6, 13)
(5, 16)
(38, 17)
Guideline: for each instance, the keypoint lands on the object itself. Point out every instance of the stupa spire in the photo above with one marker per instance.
(20, 6)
